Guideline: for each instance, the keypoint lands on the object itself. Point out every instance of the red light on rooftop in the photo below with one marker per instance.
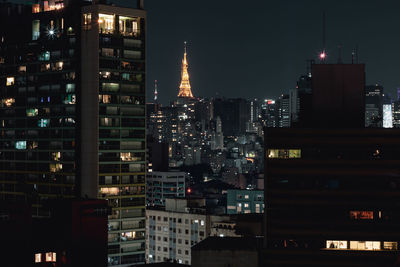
(322, 56)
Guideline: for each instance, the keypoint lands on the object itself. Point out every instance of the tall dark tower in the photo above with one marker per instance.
(332, 186)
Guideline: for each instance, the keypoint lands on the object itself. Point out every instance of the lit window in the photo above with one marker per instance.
(70, 88)
(56, 156)
(8, 102)
(110, 191)
(20, 145)
(22, 68)
(336, 244)
(106, 23)
(202, 222)
(87, 21)
(50, 257)
(246, 205)
(126, 156)
(55, 167)
(361, 215)
(246, 196)
(35, 29)
(390, 245)
(70, 99)
(284, 153)
(10, 81)
(42, 123)
(365, 245)
(128, 26)
(32, 112)
(44, 56)
(35, 8)
(38, 257)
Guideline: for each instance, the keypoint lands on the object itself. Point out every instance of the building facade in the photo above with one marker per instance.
(72, 85)
(244, 201)
(173, 230)
(163, 185)
(331, 188)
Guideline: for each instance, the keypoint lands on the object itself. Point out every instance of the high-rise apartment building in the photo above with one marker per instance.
(72, 83)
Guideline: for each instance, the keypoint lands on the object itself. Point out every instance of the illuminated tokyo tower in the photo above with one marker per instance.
(184, 88)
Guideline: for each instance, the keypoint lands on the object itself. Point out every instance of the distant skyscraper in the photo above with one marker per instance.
(283, 105)
(184, 88)
(387, 118)
(373, 106)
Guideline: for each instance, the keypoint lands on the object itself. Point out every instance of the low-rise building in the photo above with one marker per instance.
(162, 185)
(173, 230)
(245, 201)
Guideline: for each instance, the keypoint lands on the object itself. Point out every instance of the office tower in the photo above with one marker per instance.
(284, 113)
(174, 230)
(73, 86)
(157, 155)
(331, 189)
(255, 110)
(373, 106)
(387, 112)
(300, 100)
(163, 185)
(217, 137)
(234, 114)
(268, 113)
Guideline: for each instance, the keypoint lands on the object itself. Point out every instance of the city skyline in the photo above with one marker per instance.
(276, 39)
(266, 45)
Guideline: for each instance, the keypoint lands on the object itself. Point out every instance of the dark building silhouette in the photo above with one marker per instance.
(332, 188)
(75, 234)
(234, 114)
(157, 153)
(338, 95)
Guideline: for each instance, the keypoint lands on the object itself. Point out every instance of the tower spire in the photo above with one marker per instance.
(184, 87)
(155, 91)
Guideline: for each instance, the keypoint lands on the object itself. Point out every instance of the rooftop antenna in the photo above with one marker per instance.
(356, 53)
(310, 62)
(322, 55)
(340, 55)
(155, 91)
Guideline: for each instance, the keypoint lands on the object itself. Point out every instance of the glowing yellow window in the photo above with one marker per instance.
(55, 167)
(38, 257)
(284, 153)
(10, 81)
(106, 23)
(336, 244)
(50, 257)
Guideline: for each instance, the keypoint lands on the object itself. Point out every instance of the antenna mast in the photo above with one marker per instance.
(322, 55)
(155, 91)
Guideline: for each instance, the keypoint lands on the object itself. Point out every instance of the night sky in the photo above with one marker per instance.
(256, 48)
